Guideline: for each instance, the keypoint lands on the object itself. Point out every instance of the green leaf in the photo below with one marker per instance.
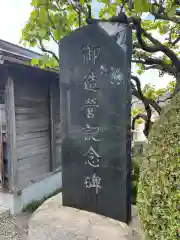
(141, 5)
(35, 61)
(42, 33)
(160, 92)
(135, 111)
(52, 6)
(139, 71)
(32, 42)
(139, 121)
(58, 18)
(34, 3)
(34, 14)
(82, 2)
(172, 11)
(104, 1)
(56, 34)
(42, 14)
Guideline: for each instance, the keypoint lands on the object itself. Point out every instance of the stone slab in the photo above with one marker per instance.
(95, 114)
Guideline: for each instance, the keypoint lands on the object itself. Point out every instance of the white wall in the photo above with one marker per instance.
(32, 193)
(37, 191)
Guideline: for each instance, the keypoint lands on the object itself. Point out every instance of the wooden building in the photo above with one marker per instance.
(30, 131)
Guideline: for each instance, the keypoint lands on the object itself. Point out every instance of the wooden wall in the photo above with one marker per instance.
(57, 124)
(37, 120)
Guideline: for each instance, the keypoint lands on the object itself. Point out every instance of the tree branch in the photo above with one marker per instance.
(53, 38)
(154, 66)
(139, 32)
(146, 103)
(134, 102)
(47, 51)
(156, 63)
(151, 102)
(79, 8)
(164, 100)
(176, 41)
(50, 19)
(162, 69)
(146, 119)
(166, 17)
(161, 14)
(138, 93)
(157, 46)
(57, 5)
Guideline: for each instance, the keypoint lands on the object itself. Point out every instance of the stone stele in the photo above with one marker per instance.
(52, 221)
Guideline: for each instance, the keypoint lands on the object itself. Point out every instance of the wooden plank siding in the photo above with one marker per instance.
(36, 105)
(32, 129)
(57, 127)
(11, 134)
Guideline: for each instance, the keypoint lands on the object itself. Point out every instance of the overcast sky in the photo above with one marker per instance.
(14, 15)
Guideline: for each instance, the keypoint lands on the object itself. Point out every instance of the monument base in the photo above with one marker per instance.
(52, 221)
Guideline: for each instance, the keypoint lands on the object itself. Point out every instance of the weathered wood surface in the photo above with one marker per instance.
(32, 129)
(52, 128)
(58, 127)
(11, 133)
(38, 128)
(1, 161)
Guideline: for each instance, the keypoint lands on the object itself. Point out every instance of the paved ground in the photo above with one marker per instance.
(135, 225)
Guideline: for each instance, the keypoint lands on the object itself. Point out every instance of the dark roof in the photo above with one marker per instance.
(11, 54)
(12, 50)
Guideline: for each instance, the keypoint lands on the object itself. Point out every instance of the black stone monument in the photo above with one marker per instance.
(95, 65)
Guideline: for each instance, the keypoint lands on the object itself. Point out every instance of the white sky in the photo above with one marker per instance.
(14, 15)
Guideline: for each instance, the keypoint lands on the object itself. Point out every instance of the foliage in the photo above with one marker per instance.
(137, 156)
(158, 190)
(151, 92)
(53, 19)
(45, 61)
(49, 21)
(134, 183)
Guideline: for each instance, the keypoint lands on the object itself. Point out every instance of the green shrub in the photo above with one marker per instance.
(135, 179)
(137, 156)
(158, 198)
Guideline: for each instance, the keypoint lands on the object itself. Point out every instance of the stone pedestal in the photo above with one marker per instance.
(52, 221)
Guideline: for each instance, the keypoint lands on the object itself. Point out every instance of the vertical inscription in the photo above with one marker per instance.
(90, 82)
(91, 133)
(90, 108)
(93, 182)
(93, 158)
(90, 53)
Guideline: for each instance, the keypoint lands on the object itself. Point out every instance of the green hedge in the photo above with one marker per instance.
(135, 179)
(137, 157)
(158, 198)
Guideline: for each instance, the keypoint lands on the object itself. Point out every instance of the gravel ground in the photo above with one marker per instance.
(14, 227)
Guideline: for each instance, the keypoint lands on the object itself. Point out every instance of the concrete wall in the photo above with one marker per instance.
(34, 192)
(6, 200)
